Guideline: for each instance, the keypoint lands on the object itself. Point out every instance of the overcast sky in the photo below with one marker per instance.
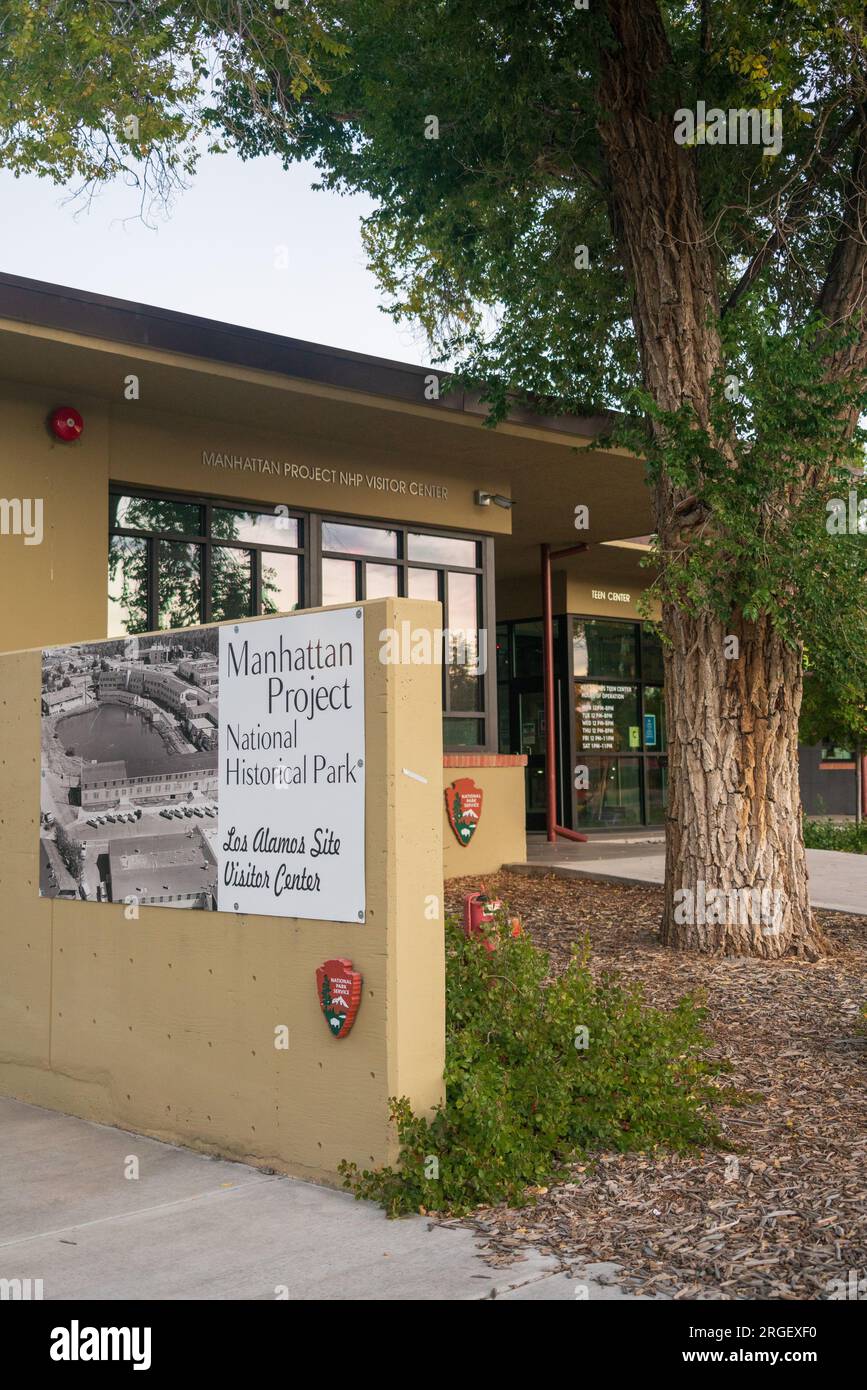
(216, 255)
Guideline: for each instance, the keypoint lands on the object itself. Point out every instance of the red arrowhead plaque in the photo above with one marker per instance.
(339, 989)
(464, 808)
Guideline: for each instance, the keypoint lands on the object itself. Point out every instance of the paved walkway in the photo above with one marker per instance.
(192, 1227)
(837, 881)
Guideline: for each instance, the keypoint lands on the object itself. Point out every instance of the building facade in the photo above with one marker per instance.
(248, 474)
(139, 782)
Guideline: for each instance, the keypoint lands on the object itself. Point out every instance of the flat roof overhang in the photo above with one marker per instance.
(81, 343)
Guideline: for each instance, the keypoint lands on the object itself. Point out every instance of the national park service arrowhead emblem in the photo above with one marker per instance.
(339, 990)
(464, 808)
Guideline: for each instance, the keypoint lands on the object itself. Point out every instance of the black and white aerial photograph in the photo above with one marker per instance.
(129, 771)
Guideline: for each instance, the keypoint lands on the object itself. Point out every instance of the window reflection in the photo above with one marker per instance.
(380, 581)
(443, 550)
(338, 582)
(657, 789)
(180, 584)
(603, 650)
(154, 514)
(654, 719)
(127, 586)
(462, 733)
(280, 587)
(613, 796)
(423, 584)
(262, 528)
(358, 540)
(231, 583)
(462, 657)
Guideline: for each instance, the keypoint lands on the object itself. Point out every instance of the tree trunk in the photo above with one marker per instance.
(735, 873)
(734, 809)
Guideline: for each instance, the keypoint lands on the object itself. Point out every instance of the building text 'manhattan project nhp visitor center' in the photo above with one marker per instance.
(171, 488)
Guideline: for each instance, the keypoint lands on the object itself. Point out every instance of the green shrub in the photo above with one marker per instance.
(825, 835)
(527, 1090)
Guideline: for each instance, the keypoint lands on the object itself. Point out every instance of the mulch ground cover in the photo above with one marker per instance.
(781, 1211)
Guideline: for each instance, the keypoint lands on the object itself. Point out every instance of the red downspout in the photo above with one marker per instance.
(553, 829)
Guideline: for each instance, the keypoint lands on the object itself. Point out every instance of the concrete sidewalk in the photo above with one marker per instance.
(838, 882)
(193, 1227)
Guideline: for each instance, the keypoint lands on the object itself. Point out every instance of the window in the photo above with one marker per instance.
(606, 718)
(613, 794)
(621, 713)
(610, 728)
(604, 650)
(834, 753)
(176, 562)
(383, 561)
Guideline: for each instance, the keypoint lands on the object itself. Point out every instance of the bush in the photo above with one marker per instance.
(825, 835)
(529, 1090)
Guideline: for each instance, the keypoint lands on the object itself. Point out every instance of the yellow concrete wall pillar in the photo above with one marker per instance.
(54, 591)
(500, 836)
(165, 1024)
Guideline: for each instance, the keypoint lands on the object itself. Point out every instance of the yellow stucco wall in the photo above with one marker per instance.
(500, 837)
(60, 586)
(165, 1024)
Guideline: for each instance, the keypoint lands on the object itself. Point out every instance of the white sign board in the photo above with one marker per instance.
(291, 767)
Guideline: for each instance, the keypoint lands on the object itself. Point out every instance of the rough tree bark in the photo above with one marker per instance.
(736, 876)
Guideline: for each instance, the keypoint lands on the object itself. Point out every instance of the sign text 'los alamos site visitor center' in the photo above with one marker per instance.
(291, 767)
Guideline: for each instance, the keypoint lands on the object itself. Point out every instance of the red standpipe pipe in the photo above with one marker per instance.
(552, 828)
(548, 690)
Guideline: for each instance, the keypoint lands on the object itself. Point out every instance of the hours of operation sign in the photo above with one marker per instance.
(291, 767)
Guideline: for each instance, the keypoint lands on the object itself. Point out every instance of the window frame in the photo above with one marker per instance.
(567, 685)
(310, 553)
(207, 542)
(486, 714)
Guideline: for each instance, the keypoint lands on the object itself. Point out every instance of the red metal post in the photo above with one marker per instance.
(552, 828)
(548, 692)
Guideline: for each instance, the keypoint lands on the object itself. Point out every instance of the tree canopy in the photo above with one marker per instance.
(479, 130)
(657, 206)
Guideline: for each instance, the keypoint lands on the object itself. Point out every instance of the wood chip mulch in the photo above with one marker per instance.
(781, 1211)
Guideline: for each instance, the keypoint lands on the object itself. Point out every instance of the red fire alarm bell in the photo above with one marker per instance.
(66, 423)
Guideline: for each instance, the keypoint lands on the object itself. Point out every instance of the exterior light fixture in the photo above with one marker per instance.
(484, 499)
(66, 423)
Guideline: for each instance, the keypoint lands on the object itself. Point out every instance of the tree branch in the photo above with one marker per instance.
(842, 300)
(786, 226)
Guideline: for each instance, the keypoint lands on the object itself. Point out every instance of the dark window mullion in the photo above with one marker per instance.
(444, 600)
(153, 583)
(490, 694)
(182, 537)
(312, 594)
(256, 568)
(206, 597)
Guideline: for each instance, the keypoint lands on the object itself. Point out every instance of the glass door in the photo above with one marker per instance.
(531, 735)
